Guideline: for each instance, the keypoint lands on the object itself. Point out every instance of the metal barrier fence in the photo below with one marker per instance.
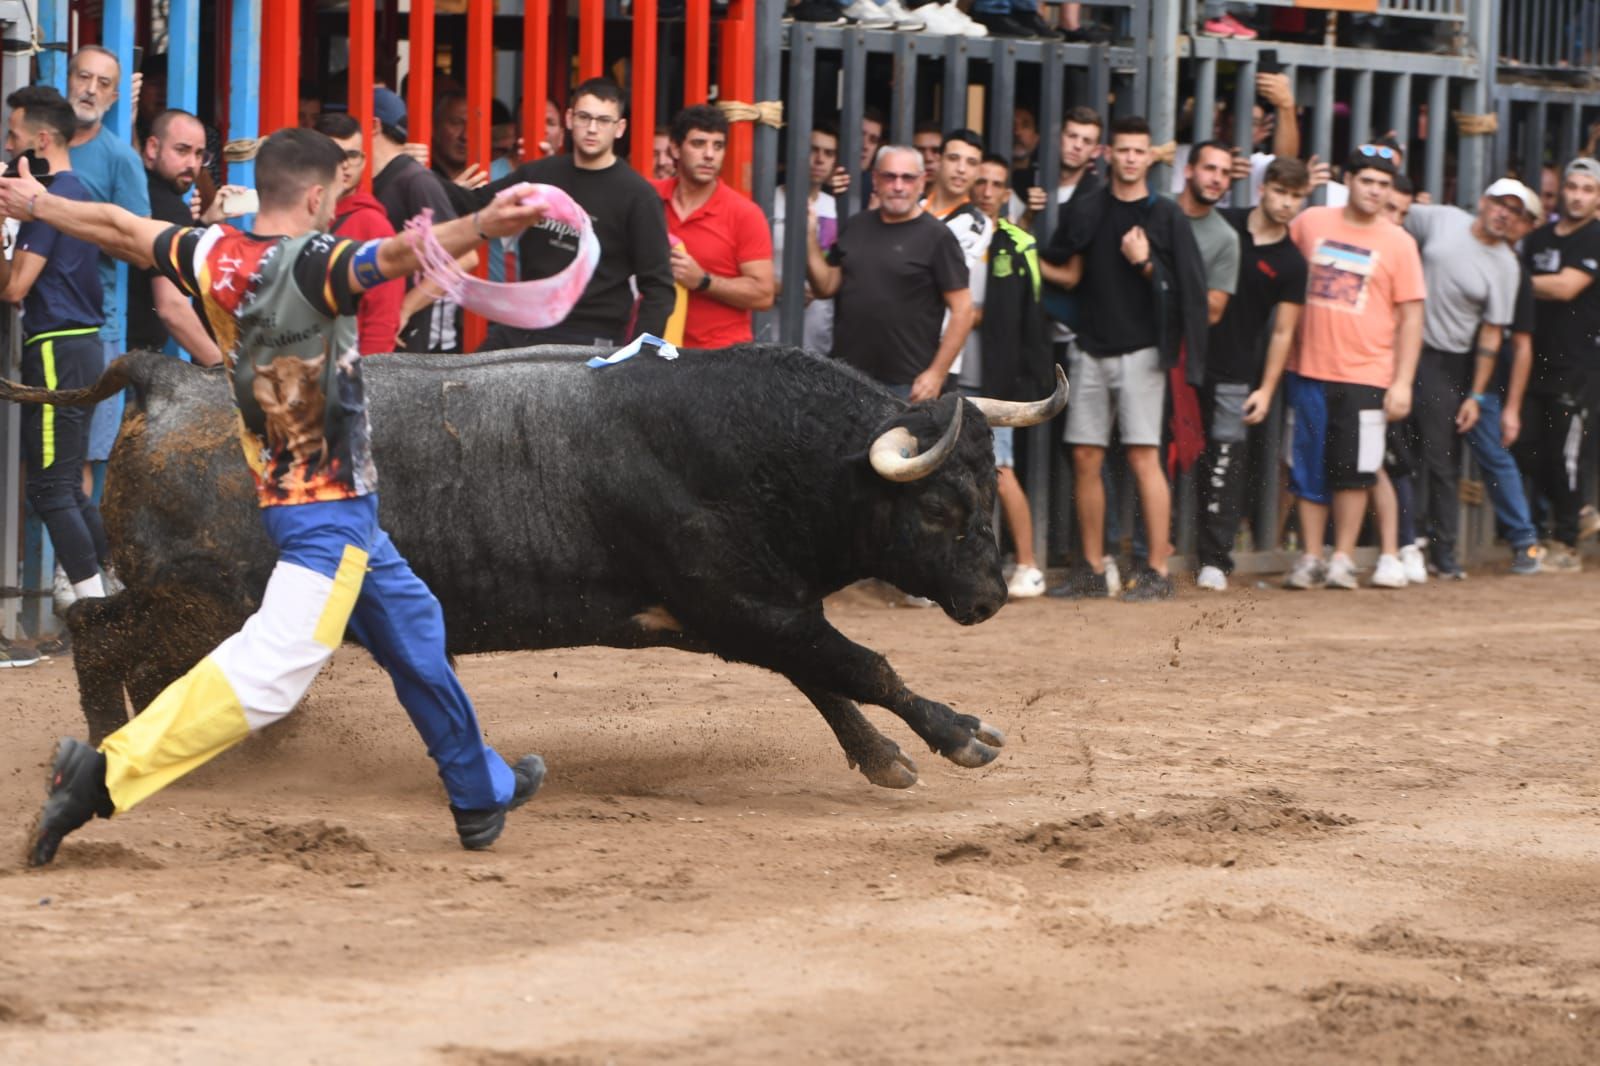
(1550, 36)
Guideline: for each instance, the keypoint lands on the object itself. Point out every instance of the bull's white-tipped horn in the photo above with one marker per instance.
(1017, 413)
(894, 454)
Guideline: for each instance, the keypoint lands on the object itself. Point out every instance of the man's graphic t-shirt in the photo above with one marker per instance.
(283, 312)
(1357, 277)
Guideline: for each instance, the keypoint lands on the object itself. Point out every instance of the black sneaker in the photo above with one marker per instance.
(1083, 584)
(1090, 34)
(57, 646)
(817, 12)
(479, 829)
(77, 793)
(1151, 586)
(1036, 25)
(1003, 25)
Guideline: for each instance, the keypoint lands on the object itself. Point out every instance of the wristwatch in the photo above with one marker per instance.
(705, 282)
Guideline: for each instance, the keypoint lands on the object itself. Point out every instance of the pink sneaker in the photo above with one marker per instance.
(1221, 27)
(1240, 30)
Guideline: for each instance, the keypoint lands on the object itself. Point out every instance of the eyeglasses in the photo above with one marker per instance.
(1382, 151)
(599, 122)
(899, 179)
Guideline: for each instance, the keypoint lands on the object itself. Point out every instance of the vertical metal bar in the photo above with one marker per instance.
(1361, 108)
(1438, 134)
(1052, 105)
(535, 74)
(1002, 96)
(1472, 152)
(1100, 82)
(737, 81)
(591, 39)
(798, 122)
(183, 55)
(1322, 127)
(55, 25)
(480, 102)
(1534, 131)
(1140, 15)
(642, 115)
(363, 58)
(850, 111)
(419, 78)
(768, 28)
(1571, 132)
(1244, 102)
(903, 108)
(244, 107)
(117, 33)
(1400, 118)
(280, 78)
(1502, 143)
(955, 82)
(1162, 69)
(697, 52)
(1205, 101)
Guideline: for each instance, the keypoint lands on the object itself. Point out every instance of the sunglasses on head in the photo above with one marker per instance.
(1382, 151)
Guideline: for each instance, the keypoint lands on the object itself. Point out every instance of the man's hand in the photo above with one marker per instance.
(213, 214)
(685, 271)
(1397, 402)
(839, 181)
(1136, 246)
(1321, 173)
(1256, 407)
(1239, 170)
(17, 194)
(1510, 427)
(473, 177)
(927, 386)
(1038, 200)
(1467, 415)
(1275, 90)
(506, 215)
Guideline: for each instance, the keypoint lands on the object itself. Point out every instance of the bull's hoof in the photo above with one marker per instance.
(990, 735)
(973, 754)
(899, 772)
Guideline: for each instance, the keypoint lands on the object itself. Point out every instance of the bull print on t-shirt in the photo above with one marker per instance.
(289, 392)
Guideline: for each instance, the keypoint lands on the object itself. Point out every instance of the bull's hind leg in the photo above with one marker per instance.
(878, 758)
(104, 649)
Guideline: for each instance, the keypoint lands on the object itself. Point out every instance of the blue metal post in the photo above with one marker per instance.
(183, 55)
(55, 22)
(116, 33)
(244, 107)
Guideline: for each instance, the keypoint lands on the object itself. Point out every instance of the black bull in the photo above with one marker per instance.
(707, 504)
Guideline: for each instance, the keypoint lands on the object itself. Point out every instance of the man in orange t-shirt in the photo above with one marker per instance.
(721, 242)
(1360, 336)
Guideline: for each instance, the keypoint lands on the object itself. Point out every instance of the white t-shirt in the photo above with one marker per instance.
(974, 231)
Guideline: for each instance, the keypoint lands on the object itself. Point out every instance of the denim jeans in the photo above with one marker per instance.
(1501, 478)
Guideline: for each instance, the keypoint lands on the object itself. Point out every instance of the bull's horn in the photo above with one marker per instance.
(1014, 413)
(894, 454)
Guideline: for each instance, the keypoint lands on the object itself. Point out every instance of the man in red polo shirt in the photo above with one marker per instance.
(721, 244)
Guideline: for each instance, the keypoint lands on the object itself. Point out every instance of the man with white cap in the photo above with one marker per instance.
(1472, 289)
(1563, 258)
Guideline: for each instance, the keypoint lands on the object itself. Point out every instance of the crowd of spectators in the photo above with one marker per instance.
(1399, 333)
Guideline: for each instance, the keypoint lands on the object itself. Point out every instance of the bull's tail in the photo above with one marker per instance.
(118, 376)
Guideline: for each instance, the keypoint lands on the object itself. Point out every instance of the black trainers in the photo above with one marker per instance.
(77, 793)
(1151, 586)
(1003, 25)
(479, 829)
(57, 647)
(1082, 584)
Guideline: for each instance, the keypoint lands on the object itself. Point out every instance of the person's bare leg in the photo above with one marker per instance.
(1386, 505)
(1091, 503)
(1313, 526)
(1155, 495)
(1349, 509)
(1014, 505)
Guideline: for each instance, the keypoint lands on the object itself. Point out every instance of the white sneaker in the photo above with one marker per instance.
(1415, 566)
(1113, 576)
(1026, 583)
(948, 20)
(61, 593)
(903, 19)
(1210, 577)
(869, 16)
(1342, 572)
(1390, 574)
(1308, 573)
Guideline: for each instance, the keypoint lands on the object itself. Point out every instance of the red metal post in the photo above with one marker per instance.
(535, 74)
(363, 60)
(697, 52)
(642, 123)
(480, 102)
(738, 82)
(591, 39)
(280, 67)
(419, 82)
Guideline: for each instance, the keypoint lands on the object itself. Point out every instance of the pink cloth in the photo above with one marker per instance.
(536, 304)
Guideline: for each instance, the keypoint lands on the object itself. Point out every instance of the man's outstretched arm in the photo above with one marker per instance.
(121, 234)
(504, 216)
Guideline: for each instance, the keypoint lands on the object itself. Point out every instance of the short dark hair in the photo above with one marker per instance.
(44, 108)
(1130, 124)
(873, 114)
(159, 126)
(444, 100)
(1402, 184)
(927, 125)
(1360, 161)
(499, 114)
(292, 160)
(962, 137)
(826, 126)
(996, 158)
(699, 117)
(1288, 172)
(601, 89)
(1194, 153)
(336, 124)
(1084, 116)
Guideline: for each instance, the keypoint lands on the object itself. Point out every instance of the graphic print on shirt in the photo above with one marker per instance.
(280, 313)
(1339, 276)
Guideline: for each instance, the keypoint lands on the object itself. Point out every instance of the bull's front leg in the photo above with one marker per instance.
(104, 648)
(879, 759)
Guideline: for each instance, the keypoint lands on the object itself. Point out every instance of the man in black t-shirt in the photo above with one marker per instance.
(628, 222)
(893, 273)
(1242, 372)
(173, 154)
(1563, 259)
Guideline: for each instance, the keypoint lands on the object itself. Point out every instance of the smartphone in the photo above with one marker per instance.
(1267, 62)
(38, 166)
(138, 57)
(244, 202)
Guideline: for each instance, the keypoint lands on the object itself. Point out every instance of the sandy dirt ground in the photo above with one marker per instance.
(1258, 828)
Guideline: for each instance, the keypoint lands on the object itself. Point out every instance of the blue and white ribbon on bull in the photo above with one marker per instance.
(644, 340)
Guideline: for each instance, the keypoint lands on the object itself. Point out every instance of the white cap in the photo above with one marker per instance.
(1513, 187)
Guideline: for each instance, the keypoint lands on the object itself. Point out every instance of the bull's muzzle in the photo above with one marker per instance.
(1014, 413)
